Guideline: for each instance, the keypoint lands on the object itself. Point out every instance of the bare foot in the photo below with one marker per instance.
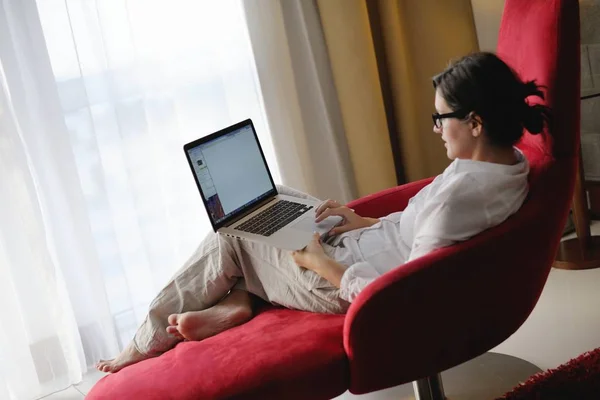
(234, 310)
(128, 356)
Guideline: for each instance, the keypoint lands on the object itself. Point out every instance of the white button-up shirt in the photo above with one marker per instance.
(468, 198)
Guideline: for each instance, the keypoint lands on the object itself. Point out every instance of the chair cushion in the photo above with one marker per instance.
(279, 354)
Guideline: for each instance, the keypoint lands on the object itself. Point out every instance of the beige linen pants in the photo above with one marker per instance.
(221, 263)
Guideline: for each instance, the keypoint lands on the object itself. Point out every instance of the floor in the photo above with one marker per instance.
(77, 392)
(564, 324)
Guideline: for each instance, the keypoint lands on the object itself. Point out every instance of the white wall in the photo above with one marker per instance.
(487, 15)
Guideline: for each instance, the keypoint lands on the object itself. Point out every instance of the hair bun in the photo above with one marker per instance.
(534, 118)
(530, 88)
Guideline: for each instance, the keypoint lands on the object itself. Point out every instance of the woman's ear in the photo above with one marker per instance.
(476, 125)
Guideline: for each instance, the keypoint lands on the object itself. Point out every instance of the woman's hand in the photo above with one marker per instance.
(351, 220)
(312, 256)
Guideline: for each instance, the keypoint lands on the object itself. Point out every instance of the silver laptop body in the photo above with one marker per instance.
(239, 194)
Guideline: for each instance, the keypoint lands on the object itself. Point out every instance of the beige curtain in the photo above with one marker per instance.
(383, 54)
(300, 99)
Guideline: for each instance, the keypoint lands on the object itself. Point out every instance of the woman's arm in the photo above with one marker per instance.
(313, 257)
(350, 280)
(331, 270)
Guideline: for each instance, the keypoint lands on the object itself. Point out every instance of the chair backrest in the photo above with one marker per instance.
(540, 40)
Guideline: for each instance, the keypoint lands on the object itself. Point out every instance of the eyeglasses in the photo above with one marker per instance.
(437, 118)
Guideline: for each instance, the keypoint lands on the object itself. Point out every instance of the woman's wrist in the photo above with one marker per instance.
(331, 270)
(371, 221)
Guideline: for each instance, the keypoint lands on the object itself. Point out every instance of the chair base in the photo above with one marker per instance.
(485, 377)
(571, 255)
(430, 388)
(488, 376)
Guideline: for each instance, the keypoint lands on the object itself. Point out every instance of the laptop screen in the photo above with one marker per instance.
(230, 170)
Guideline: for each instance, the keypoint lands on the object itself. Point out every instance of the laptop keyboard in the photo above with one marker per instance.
(274, 218)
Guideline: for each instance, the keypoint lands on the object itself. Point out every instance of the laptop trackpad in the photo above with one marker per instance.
(307, 224)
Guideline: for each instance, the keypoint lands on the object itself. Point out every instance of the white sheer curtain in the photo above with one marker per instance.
(97, 205)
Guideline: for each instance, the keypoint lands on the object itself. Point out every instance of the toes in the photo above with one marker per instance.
(173, 319)
(105, 366)
(179, 334)
(172, 330)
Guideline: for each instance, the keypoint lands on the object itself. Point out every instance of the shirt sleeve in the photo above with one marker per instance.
(457, 213)
(355, 279)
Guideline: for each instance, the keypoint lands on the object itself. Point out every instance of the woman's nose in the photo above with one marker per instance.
(436, 129)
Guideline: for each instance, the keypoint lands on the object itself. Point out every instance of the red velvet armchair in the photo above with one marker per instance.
(460, 301)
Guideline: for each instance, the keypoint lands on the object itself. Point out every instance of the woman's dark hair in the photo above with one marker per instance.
(483, 84)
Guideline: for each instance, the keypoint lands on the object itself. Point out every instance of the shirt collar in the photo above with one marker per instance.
(464, 165)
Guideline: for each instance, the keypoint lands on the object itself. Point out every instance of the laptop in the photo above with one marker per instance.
(239, 194)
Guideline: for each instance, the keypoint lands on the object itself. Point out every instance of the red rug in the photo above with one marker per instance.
(579, 379)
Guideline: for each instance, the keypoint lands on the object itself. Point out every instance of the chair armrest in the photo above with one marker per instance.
(387, 201)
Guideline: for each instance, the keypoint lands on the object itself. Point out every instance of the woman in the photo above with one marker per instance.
(481, 112)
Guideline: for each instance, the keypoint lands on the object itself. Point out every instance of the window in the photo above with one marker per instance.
(138, 79)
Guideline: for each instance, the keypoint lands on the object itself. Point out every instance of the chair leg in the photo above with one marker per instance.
(429, 388)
